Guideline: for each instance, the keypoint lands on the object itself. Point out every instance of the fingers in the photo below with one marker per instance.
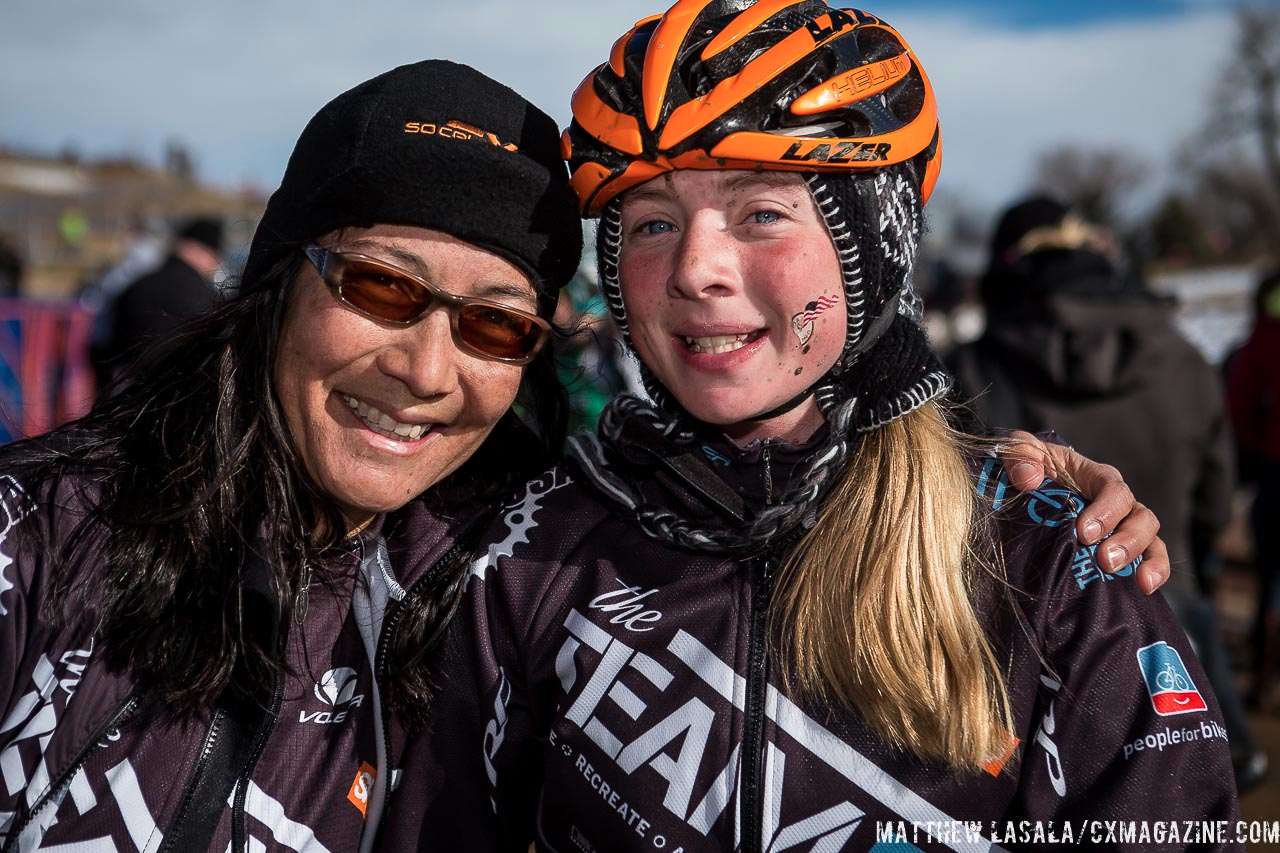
(1155, 567)
(1025, 460)
(1136, 534)
(1136, 527)
(1111, 505)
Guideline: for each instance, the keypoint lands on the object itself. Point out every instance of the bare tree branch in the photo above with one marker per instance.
(1093, 181)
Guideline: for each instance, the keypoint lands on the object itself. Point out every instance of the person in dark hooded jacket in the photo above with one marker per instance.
(1253, 393)
(1076, 343)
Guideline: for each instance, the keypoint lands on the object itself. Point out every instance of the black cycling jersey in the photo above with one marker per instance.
(604, 691)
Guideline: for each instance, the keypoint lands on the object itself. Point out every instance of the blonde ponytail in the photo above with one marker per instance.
(875, 605)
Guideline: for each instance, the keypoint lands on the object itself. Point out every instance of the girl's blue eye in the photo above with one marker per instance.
(764, 217)
(657, 227)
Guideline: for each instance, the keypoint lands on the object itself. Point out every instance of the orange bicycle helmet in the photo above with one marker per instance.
(734, 84)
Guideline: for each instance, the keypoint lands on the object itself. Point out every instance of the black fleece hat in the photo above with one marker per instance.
(436, 145)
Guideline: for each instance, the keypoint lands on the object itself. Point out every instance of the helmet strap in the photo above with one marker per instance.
(874, 332)
(787, 406)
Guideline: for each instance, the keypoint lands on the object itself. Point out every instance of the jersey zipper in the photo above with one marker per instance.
(764, 569)
(114, 722)
(238, 839)
(461, 547)
(238, 833)
(768, 473)
(211, 739)
(757, 684)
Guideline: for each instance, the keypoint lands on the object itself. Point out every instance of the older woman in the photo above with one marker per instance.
(202, 643)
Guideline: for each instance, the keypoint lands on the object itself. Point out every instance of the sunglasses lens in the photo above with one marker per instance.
(385, 293)
(381, 292)
(491, 330)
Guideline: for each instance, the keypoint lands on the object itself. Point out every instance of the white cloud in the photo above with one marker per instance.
(237, 80)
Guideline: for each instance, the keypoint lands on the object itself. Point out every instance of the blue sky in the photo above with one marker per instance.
(1056, 14)
(236, 80)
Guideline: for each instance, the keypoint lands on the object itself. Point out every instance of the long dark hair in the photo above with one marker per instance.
(173, 477)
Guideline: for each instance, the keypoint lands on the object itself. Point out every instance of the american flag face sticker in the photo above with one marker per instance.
(802, 323)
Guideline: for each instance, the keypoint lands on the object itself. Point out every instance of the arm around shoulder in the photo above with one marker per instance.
(1129, 731)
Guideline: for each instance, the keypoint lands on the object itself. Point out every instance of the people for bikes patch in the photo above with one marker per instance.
(1168, 682)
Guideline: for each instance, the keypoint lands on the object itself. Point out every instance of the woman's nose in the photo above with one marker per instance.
(424, 356)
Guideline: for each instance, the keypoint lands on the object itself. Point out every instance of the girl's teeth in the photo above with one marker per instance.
(384, 424)
(716, 343)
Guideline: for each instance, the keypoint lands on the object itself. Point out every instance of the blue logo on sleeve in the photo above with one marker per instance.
(1085, 568)
(1053, 506)
(1168, 683)
(715, 456)
(997, 484)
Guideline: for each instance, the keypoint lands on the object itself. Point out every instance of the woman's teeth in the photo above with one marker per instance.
(716, 343)
(384, 424)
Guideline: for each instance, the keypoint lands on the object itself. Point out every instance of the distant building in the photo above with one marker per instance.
(70, 218)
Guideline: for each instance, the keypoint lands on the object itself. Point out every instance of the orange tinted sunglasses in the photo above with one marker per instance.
(388, 294)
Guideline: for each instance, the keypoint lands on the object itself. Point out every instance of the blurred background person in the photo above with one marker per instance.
(1253, 386)
(10, 269)
(145, 245)
(592, 361)
(1075, 342)
(153, 305)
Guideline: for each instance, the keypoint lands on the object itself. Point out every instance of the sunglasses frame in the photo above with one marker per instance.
(320, 259)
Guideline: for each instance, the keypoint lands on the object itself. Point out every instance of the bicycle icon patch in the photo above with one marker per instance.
(1169, 684)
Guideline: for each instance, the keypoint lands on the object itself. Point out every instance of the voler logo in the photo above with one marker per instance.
(337, 689)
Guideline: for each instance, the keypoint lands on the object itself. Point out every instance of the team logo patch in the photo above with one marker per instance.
(716, 456)
(361, 786)
(1169, 684)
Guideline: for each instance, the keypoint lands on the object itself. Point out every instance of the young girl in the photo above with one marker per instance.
(783, 606)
